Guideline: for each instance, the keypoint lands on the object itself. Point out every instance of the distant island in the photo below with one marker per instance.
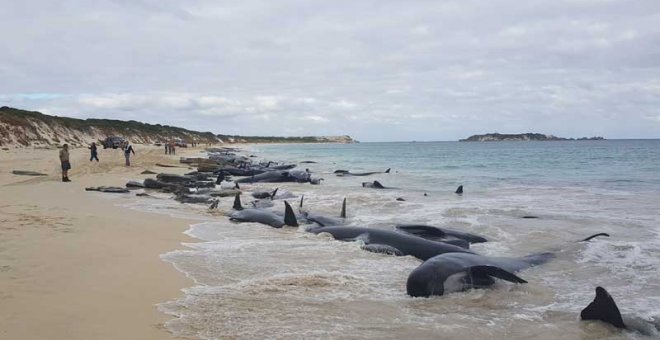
(22, 128)
(499, 137)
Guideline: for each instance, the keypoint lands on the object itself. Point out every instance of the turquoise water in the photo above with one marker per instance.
(255, 282)
(613, 164)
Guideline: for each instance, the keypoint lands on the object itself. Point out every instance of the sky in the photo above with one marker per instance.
(375, 70)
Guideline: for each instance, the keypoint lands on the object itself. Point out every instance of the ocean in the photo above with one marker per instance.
(254, 282)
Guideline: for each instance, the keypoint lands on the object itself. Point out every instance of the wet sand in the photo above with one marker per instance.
(76, 265)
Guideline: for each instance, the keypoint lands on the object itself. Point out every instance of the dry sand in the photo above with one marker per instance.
(76, 266)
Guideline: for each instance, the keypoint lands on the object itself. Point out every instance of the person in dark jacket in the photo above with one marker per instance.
(94, 153)
(127, 153)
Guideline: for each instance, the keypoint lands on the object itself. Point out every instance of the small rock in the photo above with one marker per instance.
(27, 173)
(115, 190)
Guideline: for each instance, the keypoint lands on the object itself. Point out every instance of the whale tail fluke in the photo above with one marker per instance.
(459, 190)
(594, 236)
(289, 215)
(388, 170)
(272, 196)
(237, 202)
(603, 308)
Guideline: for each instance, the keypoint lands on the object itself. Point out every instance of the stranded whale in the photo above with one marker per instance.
(451, 272)
(390, 242)
(263, 216)
(348, 173)
(603, 308)
(439, 234)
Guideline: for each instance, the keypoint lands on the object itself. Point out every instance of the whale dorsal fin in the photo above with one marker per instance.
(342, 214)
(388, 170)
(494, 272)
(272, 196)
(237, 202)
(459, 190)
(289, 216)
(237, 187)
(603, 308)
(378, 185)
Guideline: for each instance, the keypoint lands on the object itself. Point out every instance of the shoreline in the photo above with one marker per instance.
(80, 265)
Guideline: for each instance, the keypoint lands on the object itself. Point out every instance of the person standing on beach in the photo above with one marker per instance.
(92, 149)
(64, 160)
(127, 153)
(167, 148)
(173, 148)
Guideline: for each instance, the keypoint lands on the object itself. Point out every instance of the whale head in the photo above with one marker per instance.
(425, 281)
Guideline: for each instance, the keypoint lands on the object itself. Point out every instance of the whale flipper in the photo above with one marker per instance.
(272, 196)
(603, 308)
(481, 271)
(302, 197)
(457, 242)
(382, 249)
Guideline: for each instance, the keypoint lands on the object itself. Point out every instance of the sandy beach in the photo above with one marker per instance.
(74, 265)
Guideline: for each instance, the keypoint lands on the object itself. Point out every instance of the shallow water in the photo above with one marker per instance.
(253, 281)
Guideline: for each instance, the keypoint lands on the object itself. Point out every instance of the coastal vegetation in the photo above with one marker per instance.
(31, 128)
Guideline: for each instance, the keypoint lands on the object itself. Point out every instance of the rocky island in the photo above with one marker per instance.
(499, 137)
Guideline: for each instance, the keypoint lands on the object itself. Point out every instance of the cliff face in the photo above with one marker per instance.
(272, 139)
(30, 128)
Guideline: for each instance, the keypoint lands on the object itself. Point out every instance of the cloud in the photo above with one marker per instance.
(417, 71)
(316, 119)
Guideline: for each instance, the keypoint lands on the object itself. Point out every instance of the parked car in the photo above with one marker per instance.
(113, 142)
(180, 143)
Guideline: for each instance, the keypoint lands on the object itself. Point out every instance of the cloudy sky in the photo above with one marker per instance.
(376, 70)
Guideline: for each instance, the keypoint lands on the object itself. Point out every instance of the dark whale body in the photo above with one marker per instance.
(375, 185)
(278, 176)
(603, 308)
(439, 234)
(452, 272)
(348, 173)
(390, 242)
(263, 216)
